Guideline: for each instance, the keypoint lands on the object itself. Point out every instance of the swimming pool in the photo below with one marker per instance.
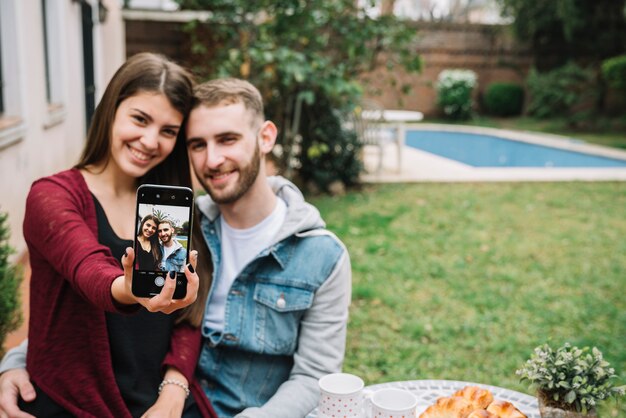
(482, 150)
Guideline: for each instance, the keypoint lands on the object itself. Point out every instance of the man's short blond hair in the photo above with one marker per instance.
(229, 91)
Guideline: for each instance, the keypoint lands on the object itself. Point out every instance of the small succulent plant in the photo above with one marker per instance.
(571, 378)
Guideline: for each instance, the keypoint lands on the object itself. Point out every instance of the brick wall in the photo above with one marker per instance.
(489, 50)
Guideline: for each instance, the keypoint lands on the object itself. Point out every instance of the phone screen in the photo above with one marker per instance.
(163, 225)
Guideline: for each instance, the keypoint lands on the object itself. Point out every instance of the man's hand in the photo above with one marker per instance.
(14, 383)
(163, 302)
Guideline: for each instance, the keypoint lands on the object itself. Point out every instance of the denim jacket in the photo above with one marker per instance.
(176, 259)
(285, 317)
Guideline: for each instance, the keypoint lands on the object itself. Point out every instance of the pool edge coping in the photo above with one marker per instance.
(529, 137)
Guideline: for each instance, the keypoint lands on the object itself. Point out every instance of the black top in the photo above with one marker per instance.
(145, 259)
(139, 342)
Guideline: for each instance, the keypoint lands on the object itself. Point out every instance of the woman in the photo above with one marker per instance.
(86, 355)
(148, 256)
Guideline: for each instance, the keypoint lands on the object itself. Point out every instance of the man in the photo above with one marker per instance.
(276, 315)
(173, 254)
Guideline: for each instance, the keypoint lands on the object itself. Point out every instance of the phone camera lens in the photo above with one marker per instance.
(158, 196)
(173, 197)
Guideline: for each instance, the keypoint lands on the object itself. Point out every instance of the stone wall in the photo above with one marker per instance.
(489, 50)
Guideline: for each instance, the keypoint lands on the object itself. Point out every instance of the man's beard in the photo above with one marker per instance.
(247, 177)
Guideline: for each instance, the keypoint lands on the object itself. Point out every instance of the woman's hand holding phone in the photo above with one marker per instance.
(164, 301)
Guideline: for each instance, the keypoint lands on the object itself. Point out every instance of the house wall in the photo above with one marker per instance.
(37, 138)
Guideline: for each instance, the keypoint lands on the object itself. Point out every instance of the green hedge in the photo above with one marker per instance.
(504, 99)
(557, 92)
(454, 93)
(614, 72)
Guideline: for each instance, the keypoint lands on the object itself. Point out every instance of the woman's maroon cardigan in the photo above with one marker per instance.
(68, 351)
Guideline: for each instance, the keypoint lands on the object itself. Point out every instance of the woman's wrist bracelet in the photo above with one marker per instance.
(174, 382)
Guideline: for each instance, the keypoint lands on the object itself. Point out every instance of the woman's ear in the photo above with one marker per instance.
(267, 136)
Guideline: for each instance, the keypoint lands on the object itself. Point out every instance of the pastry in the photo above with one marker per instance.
(482, 413)
(505, 409)
(452, 407)
(479, 398)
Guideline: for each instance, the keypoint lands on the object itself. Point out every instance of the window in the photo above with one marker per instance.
(11, 124)
(52, 31)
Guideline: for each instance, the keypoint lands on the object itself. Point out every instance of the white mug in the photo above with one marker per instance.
(341, 396)
(393, 403)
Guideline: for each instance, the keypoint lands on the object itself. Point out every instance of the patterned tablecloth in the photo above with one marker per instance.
(427, 391)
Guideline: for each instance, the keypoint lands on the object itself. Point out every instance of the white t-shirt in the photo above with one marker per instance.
(240, 247)
(168, 250)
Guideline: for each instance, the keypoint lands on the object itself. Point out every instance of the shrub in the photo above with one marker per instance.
(556, 92)
(570, 378)
(504, 99)
(10, 278)
(614, 72)
(454, 93)
(331, 149)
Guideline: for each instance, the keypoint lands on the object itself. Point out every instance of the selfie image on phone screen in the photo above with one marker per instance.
(163, 228)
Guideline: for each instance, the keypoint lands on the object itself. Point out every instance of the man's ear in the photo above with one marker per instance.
(267, 136)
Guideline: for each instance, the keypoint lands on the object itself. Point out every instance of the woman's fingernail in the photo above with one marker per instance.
(172, 274)
(191, 269)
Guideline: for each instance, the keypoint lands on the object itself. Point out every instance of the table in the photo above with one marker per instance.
(395, 120)
(427, 392)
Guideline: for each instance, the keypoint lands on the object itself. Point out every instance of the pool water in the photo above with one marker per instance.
(489, 151)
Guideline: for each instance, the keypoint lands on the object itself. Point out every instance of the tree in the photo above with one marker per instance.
(298, 53)
(564, 30)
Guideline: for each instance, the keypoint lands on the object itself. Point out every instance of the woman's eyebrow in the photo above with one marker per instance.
(148, 117)
(144, 114)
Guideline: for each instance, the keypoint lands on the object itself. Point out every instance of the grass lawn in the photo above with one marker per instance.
(462, 281)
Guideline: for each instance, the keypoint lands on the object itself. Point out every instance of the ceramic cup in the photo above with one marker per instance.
(393, 403)
(341, 396)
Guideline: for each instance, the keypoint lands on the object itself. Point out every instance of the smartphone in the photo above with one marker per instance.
(163, 225)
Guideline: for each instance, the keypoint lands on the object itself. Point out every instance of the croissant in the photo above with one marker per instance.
(505, 409)
(479, 398)
(482, 413)
(452, 407)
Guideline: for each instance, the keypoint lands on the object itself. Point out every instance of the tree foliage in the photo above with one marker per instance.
(298, 53)
(558, 92)
(562, 30)
(10, 279)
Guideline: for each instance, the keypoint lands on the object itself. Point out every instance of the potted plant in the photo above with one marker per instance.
(570, 381)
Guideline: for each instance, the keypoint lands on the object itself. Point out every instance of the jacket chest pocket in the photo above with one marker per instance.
(278, 311)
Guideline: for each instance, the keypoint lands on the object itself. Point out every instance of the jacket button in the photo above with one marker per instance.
(281, 302)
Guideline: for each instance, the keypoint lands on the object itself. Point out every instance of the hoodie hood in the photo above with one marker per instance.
(301, 216)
